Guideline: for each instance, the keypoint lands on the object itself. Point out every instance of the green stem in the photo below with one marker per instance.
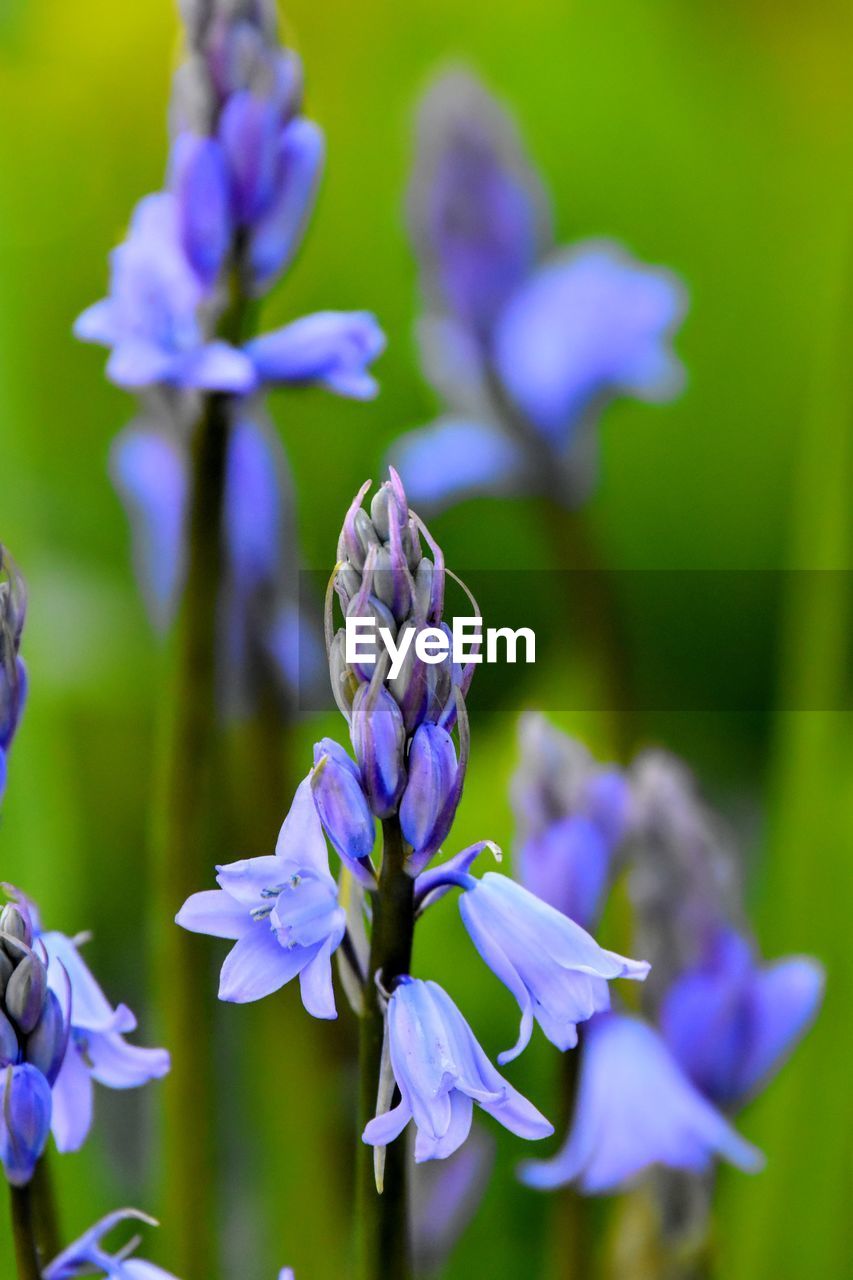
(45, 1212)
(571, 1244)
(383, 1220)
(23, 1233)
(187, 855)
(593, 614)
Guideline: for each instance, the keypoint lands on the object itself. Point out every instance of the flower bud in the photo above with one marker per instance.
(25, 993)
(341, 803)
(15, 924)
(9, 1047)
(25, 1109)
(379, 739)
(6, 968)
(432, 779)
(47, 1042)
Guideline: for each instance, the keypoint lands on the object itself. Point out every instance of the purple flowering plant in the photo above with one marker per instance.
(525, 343)
(387, 811)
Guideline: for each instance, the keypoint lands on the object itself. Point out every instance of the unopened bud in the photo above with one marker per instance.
(432, 779)
(9, 1047)
(47, 1041)
(379, 739)
(25, 993)
(341, 803)
(15, 924)
(25, 1110)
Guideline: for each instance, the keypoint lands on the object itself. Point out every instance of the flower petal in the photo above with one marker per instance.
(216, 913)
(73, 1100)
(257, 966)
(454, 458)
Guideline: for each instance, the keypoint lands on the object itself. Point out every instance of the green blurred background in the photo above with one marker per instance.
(708, 135)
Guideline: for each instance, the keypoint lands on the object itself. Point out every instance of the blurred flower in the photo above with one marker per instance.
(731, 1022)
(87, 1255)
(13, 675)
(635, 1109)
(33, 1042)
(97, 1050)
(571, 815)
(445, 1198)
(441, 1070)
(282, 913)
(556, 971)
(526, 345)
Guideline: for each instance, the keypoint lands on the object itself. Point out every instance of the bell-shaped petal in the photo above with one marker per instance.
(731, 1022)
(25, 1106)
(379, 740)
(441, 1070)
(282, 911)
(557, 972)
(277, 234)
(330, 348)
(199, 179)
(343, 807)
(635, 1108)
(587, 326)
(73, 1101)
(568, 866)
(150, 473)
(432, 777)
(476, 208)
(455, 459)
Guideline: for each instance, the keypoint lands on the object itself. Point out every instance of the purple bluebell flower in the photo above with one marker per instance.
(33, 1041)
(343, 807)
(13, 675)
(635, 1109)
(282, 913)
(557, 972)
(25, 1106)
(97, 1051)
(385, 579)
(87, 1255)
(331, 348)
(151, 318)
(379, 739)
(571, 815)
(441, 1071)
(731, 1022)
(525, 345)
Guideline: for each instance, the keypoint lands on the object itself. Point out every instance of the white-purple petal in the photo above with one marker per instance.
(216, 913)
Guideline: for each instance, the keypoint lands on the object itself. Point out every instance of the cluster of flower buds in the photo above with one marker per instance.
(401, 720)
(13, 676)
(34, 1031)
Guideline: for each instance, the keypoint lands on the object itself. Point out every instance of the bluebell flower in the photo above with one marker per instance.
(635, 1108)
(343, 807)
(151, 319)
(525, 345)
(282, 913)
(25, 1107)
(330, 348)
(87, 1255)
(571, 814)
(557, 972)
(731, 1021)
(441, 1071)
(97, 1051)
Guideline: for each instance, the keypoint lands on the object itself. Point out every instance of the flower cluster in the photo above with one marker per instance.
(13, 675)
(283, 911)
(243, 175)
(58, 1035)
(525, 344)
(718, 1025)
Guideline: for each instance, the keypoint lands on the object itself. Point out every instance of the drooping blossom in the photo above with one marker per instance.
(557, 972)
(441, 1071)
(636, 1109)
(282, 913)
(88, 1256)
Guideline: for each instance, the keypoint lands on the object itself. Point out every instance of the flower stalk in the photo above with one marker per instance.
(383, 1216)
(24, 1232)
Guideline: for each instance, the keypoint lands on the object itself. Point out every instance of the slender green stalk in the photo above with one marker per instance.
(187, 852)
(571, 1243)
(383, 1219)
(46, 1217)
(24, 1233)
